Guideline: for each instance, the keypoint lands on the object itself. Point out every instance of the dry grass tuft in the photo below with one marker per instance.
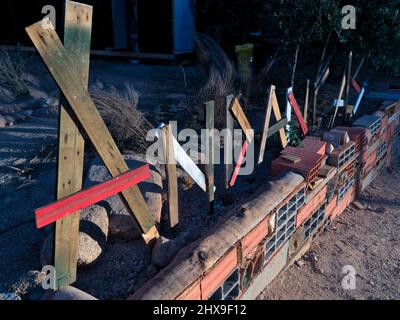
(11, 71)
(221, 74)
(127, 124)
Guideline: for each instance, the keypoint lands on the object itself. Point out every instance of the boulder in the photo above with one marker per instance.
(3, 121)
(93, 233)
(121, 222)
(68, 293)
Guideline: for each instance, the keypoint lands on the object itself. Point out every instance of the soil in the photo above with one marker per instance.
(27, 181)
(367, 239)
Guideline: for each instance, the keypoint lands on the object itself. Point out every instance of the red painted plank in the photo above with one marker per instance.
(69, 205)
(238, 164)
(356, 86)
(297, 111)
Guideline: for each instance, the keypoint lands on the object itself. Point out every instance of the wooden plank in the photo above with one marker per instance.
(71, 146)
(267, 120)
(306, 103)
(228, 151)
(348, 78)
(342, 87)
(276, 127)
(71, 204)
(241, 118)
(209, 120)
(278, 117)
(67, 78)
(238, 164)
(356, 86)
(359, 99)
(172, 181)
(356, 73)
(187, 164)
(297, 112)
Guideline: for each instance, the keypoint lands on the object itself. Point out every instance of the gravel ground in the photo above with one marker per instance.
(368, 240)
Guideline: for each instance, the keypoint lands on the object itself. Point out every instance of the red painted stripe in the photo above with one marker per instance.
(356, 86)
(71, 204)
(297, 111)
(238, 164)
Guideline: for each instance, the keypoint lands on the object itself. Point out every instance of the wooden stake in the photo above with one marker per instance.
(278, 117)
(241, 118)
(342, 87)
(170, 170)
(67, 78)
(358, 69)
(228, 152)
(267, 120)
(77, 34)
(348, 83)
(306, 103)
(209, 119)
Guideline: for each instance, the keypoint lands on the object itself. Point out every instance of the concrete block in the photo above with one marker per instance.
(270, 272)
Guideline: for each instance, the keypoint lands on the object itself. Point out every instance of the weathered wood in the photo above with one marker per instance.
(342, 87)
(241, 118)
(356, 73)
(278, 117)
(67, 78)
(228, 151)
(267, 120)
(209, 120)
(348, 82)
(276, 127)
(83, 199)
(77, 35)
(187, 164)
(296, 108)
(172, 181)
(306, 103)
(239, 163)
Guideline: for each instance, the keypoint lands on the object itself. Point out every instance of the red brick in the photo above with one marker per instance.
(341, 207)
(331, 206)
(311, 206)
(192, 293)
(251, 241)
(220, 272)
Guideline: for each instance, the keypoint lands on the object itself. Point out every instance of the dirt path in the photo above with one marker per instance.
(368, 240)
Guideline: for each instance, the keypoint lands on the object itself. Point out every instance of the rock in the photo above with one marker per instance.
(3, 121)
(93, 233)
(300, 263)
(9, 296)
(68, 293)
(121, 222)
(358, 205)
(165, 250)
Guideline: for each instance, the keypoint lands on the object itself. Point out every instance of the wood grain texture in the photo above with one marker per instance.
(172, 181)
(306, 101)
(278, 117)
(77, 34)
(209, 120)
(267, 120)
(228, 151)
(67, 78)
(241, 118)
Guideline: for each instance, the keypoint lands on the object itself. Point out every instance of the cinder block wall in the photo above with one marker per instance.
(249, 247)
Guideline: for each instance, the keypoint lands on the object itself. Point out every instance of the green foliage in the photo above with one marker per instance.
(294, 137)
(11, 70)
(377, 33)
